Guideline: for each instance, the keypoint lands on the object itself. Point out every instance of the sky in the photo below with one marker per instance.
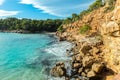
(42, 9)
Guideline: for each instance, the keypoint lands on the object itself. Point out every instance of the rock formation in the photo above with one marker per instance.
(96, 53)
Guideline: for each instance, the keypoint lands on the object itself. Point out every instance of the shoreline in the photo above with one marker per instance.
(26, 32)
(86, 60)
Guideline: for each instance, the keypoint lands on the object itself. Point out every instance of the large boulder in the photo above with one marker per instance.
(109, 27)
(85, 49)
(77, 65)
(91, 74)
(88, 61)
(59, 70)
(97, 67)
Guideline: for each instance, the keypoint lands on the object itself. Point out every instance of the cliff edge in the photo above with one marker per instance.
(96, 54)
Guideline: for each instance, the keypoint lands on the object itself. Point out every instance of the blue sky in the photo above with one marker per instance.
(42, 9)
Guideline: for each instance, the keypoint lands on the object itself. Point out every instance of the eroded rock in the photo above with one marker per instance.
(91, 74)
(59, 70)
(97, 67)
(87, 61)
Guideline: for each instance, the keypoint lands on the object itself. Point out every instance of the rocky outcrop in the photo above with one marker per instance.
(111, 37)
(59, 70)
(96, 53)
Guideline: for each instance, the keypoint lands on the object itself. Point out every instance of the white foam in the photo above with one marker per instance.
(59, 48)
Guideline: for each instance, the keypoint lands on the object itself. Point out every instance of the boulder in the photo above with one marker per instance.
(80, 70)
(77, 79)
(87, 61)
(85, 49)
(61, 64)
(109, 27)
(91, 74)
(94, 51)
(83, 74)
(78, 58)
(59, 70)
(86, 70)
(97, 67)
(77, 65)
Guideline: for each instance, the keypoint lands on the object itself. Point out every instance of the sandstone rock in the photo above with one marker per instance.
(117, 77)
(97, 67)
(85, 49)
(77, 65)
(87, 61)
(109, 27)
(91, 74)
(80, 70)
(61, 64)
(86, 70)
(77, 79)
(78, 58)
(59, 70)
(94, 51)
(83, 74)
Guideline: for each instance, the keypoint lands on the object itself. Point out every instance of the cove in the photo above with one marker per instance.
(29, 56)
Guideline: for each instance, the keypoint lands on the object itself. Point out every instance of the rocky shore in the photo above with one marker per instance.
(86, 63)
(96, 54)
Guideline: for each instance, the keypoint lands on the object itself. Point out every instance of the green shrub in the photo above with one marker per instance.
(108, 9)
(84, 29)
(111, 6)
(111, 2)
(97, 4)
(60, 29)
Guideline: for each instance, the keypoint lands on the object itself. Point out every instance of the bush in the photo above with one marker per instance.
(97, 4)
(108, 9)
(84, 29)
(111, 6)
(60, 29)
(112, 2)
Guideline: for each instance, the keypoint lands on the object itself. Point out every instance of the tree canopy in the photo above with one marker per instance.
(29, 24)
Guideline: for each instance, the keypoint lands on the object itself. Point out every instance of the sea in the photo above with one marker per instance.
(30, 56)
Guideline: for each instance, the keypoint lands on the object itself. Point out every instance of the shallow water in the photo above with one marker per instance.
(28, 56)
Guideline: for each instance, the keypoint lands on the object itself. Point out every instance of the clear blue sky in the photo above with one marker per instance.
(42, 9)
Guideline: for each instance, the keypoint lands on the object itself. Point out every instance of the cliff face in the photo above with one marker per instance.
(107, 25)
(111, 38)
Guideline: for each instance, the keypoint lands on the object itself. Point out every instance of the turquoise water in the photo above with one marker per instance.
(29, 56)
(22, 56)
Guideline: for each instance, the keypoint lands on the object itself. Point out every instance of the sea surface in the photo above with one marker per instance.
(29, 56)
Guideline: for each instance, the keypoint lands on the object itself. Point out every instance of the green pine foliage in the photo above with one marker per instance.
(85, 28)
(30, 25)
(111, 6)
(97, 4)
(60, 29)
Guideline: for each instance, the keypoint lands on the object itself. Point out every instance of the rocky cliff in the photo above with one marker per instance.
(97, 52)
(111, 38)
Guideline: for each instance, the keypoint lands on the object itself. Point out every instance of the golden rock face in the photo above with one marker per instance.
(112, 40)
(108, 24)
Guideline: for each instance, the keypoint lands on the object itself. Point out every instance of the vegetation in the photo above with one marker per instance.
(60, 29)
(111, 2)
(84, 29)
(97, 4)
(30, 25)
(111, 6)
